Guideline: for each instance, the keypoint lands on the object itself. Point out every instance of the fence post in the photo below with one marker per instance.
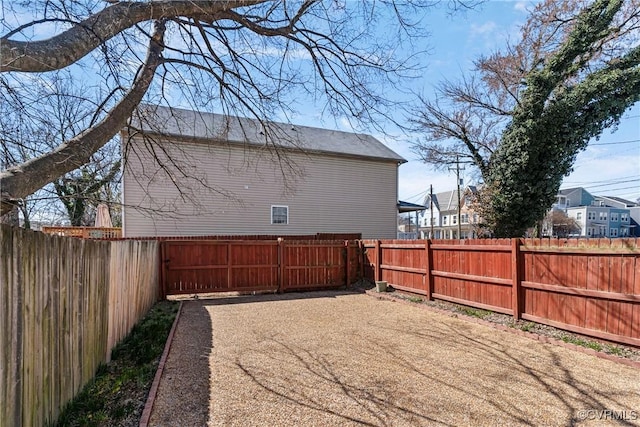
(515, 275)
(347, 265)
(281, 265)
(377, 275)
(163, 270)
(428, 268)
(229, 266)
(361, 257)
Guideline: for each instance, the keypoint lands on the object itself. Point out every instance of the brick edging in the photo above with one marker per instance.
(530, 335)
(148, 406)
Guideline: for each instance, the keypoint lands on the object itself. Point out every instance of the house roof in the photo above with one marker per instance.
(627, 203)
(158, 120)
(566, 191)
(409, 207)
(445, 201)
(448, 200)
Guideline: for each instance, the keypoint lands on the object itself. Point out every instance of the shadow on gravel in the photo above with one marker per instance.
(351, 365)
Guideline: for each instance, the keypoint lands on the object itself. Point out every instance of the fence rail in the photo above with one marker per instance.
(64, 303)
(588, 286)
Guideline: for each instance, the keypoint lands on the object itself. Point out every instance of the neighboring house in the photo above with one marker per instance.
(601, 221)
(208, 174)
(572, 197)
(440, 218)
(597, 216)
(634, 211)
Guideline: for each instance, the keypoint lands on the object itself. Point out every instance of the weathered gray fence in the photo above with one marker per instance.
(64, 303)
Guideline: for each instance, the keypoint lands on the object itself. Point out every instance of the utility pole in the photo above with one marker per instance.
(458, 169)
(431, 209)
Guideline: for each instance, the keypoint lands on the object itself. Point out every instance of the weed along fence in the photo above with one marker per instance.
(202, 266)
(64, 303)
(591, 286)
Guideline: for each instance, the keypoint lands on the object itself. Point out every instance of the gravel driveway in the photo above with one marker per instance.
(337, 358)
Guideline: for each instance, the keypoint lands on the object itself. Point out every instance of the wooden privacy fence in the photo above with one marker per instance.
(64, 303)
(591, 286)
(203, 266)
(85, 232)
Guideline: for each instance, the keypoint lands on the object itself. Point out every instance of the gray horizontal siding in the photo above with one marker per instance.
(325, 194)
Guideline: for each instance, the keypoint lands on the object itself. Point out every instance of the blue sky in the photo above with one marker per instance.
(610, 166)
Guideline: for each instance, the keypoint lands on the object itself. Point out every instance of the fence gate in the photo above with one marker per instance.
(204, 266)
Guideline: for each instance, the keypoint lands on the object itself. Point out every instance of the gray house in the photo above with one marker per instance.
(597, 216)
(188, 173)
(572, 197)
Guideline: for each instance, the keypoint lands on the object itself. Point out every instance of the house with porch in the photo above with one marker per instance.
(440, 217)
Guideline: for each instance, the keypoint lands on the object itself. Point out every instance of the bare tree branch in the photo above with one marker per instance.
(80, 39)
(18, 181)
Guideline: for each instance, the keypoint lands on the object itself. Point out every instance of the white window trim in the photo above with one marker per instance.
(279, 206)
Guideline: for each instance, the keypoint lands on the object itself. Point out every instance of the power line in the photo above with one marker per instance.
(617, 190)
(614, 183)
(600, 182)
(616, 142)
(417, 196)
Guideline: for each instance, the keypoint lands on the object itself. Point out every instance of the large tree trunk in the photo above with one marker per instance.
(22, 180)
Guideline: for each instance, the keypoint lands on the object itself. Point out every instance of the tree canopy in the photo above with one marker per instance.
(527, 111)
(247, 57)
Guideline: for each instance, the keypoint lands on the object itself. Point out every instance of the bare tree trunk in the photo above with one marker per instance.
(24, 179)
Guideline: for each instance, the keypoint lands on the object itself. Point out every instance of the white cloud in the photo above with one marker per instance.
(486, 28)
(521, 6)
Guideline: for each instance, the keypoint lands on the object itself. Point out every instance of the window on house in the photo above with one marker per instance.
(279, 214)
(464, 218)
(589, 231)
(475, 218)
(614, 232)
(454, 219)
(624, 217)
(603, 216)
(614, 216)
(591, 215)
(579, 215)
(444, 220)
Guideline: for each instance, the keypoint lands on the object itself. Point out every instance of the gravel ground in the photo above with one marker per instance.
(618, 350)
(327, 359)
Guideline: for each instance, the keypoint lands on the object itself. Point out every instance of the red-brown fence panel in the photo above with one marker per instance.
(197, 266)
(369, 259)
(313, 265)
(204, 266)
(473, 272)
(403, 264)
(589, 286)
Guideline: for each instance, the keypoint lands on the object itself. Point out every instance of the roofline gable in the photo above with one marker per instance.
(225, 129)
